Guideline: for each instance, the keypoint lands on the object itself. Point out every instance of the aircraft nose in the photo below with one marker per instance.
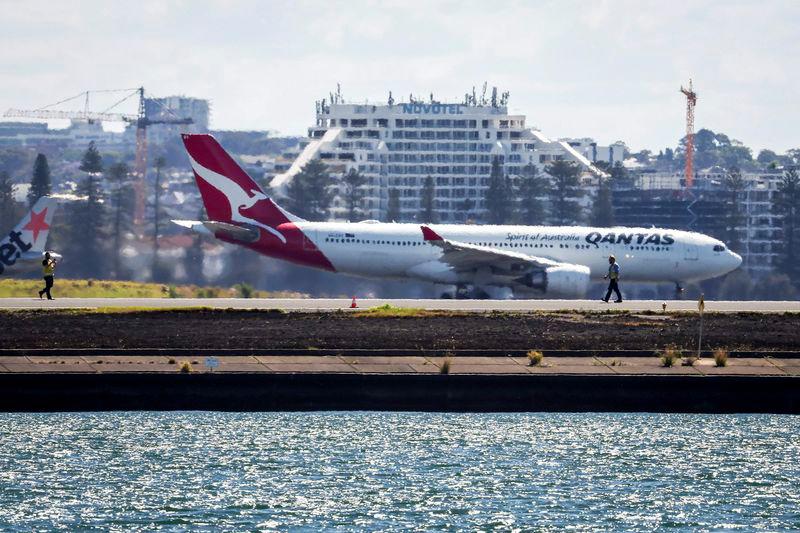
(736, 260)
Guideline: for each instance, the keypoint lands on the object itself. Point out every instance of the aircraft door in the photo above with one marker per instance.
(691, 253)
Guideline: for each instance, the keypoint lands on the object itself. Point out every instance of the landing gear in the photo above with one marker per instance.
(678, 291)
(463, 291)
(468, 291)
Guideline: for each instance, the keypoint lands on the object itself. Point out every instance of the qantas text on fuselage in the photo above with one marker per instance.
(502, 261)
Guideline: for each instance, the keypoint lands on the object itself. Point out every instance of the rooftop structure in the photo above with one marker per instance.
(397, 145)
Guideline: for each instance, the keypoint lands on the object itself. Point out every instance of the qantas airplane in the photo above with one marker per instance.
(23, 247)
(470, 260)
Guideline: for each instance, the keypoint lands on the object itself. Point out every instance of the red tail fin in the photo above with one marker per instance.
(229, 193)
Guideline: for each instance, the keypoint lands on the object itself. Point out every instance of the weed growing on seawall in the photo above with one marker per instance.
(689, 361)
(720, 357)
(186, 367)
(446, 362)
(535, 358)
(669, 356)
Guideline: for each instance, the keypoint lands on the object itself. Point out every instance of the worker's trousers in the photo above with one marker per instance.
(612, 286)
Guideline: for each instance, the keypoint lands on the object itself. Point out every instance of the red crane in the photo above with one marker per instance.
(691, 101)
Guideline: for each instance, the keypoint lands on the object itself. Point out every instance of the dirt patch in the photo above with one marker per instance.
(265, 329)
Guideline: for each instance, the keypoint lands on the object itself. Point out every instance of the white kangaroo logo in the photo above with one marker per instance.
(237, 197)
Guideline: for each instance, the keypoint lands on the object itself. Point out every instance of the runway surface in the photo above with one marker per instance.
(329, 304)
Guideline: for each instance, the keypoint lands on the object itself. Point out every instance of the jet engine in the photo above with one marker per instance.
(563, 280)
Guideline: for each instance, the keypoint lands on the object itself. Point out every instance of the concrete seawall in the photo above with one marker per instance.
(55, 391)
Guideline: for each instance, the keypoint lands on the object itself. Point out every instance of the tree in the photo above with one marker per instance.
(427, 212)
(466, 206)
(734, 186)
(716, 149)
(765, 157)
(122, 204)
(531, 189)
(499, 195)
(8, 207)
(86, 219)
(792, 156)
(393, 207)
(786, 202)
(309, 194)
(92, 161)
(353, 181)
(194, 257)
(40, 183)
(565, 192)
(602, 208)
(619, 174)
(158, 272)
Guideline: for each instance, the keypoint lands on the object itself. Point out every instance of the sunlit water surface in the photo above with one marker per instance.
(398, 471)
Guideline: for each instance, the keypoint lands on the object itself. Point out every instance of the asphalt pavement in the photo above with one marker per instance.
(329, 304)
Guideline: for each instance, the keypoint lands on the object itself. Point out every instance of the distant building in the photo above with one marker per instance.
(589, 149)
(22, 133)
(659, 199)
(172, 107)
(79, 133)
(396, 146)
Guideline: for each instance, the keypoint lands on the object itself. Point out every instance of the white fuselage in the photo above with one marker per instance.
(381, 250)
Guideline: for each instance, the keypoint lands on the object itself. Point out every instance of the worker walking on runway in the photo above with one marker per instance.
(613, 276)
(48, 268)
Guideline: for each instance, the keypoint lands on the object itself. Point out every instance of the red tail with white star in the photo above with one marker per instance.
(34, 227)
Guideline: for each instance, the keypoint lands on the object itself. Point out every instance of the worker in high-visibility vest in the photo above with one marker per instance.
(613, 277)
(48, 269)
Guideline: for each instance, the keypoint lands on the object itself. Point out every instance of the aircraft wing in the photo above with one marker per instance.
(465, 257)
(488, 266)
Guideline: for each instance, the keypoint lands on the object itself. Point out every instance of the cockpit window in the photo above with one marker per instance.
(719, 248)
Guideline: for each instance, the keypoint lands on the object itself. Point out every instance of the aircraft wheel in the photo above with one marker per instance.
(679, 291)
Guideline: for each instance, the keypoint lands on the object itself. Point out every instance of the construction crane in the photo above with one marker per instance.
(140, 120)
(691, 101)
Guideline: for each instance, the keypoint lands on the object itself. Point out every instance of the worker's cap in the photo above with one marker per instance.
(612, 257)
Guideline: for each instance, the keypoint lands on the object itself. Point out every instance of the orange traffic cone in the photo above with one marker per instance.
(353, 304)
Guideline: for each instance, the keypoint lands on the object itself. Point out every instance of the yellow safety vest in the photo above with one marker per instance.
(48, 267)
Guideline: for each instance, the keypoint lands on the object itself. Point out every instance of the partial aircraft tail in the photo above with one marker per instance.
(34, 228)
(27, 240)
(229, 194)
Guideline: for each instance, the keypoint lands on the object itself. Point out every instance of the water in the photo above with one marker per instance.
(398, 471)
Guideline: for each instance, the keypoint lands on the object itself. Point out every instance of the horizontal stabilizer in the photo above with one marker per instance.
(214, 228)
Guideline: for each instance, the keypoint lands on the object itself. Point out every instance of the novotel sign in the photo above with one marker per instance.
(433, 109)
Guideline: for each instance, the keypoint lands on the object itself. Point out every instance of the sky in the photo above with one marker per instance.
(610, 70)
